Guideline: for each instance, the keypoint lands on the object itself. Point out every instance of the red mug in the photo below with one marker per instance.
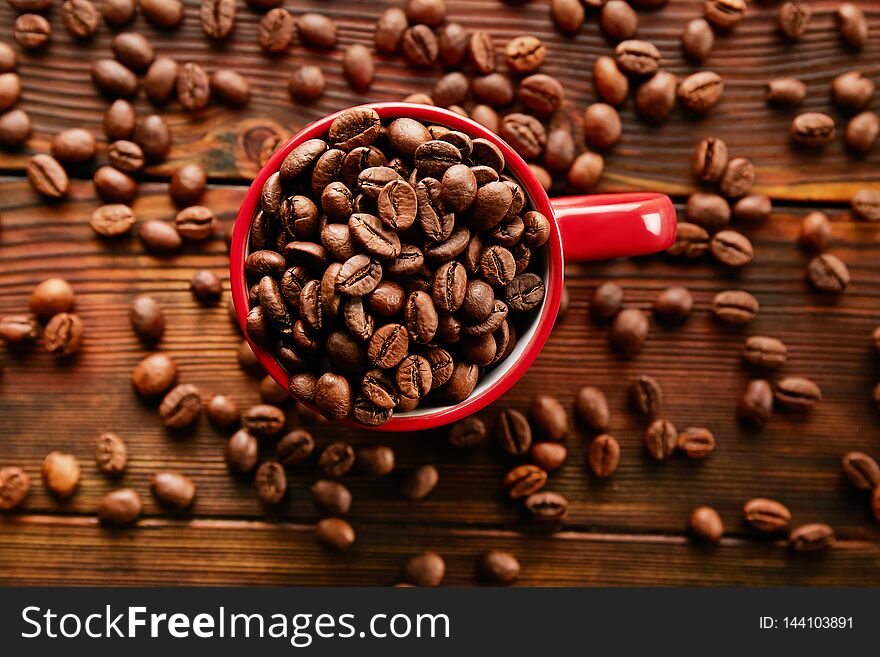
(595, 227)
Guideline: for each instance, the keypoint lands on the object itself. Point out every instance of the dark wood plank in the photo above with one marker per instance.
(205, 552)
(45, 405)
(57, 91)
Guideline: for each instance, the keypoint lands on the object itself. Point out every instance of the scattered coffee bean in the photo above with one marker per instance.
(797, 393)
(217, 17)
(173, 489)
(126, 156)
(661, 439)
(306, 83)
(336, 459)
(636, 57)
(862, 132)
(568, 15)
(812, 129)
(119, 12)
(195, 223)
(548, 455)
(861, 470)
(419, 482)
(376, 460)
(514, 432)
(591, 407)
(73, 146)
(852, 90)
(114, 186)
(32, 31)
(828, 273)
(811, 537)
(602, 125)
(389, 30)
(691, 241)
(52, 296)
(756, 404)
(223, 411)
(768, 516)
(425, 569)
(655, 97)
(270, 482)
(18, 329)
(629, 330)
(113, 79)
(154, 375)
(525, 53)
(754, 208)
(242, 452)
(546, 506)
(275, 30)
(786, 91)
(121, 507)
(160, 80)
(47, 176)
(61, 473)
(701, 91)
(697, 39)
(646, 395)
(468, 432)
(147, 319)
(181, 406)
(696, 442)
(549, 417)
(765, 351)
(358, 66)
(335, 533)
(865, 204)
(80, 17)
(193, 87)
(499, 567)
(603, 455)
(738, 178)
(794, 18)
(710, 159)
(316, 30)
(230, 87)
(164, 14)
(453, 43)
(607, 301)
(707, 210)
(735, 306)
(853, 25)
(815, 231)
(160, 237)
(673, 304)
(63, 335)
(133, 50)
(152, 135)
(15, 128)
(610, 83)
(724, 14)
(524, 480)
(14, 485)
(706, 524)
(731, 248)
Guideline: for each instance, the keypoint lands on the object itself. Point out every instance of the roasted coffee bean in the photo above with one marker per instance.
(7, 57)
(655, 97)
(388, 346)
(420, 46)
(114, 186)
(376, 460)
(390, 27)
(701, 91)
(164, 14)
(333, 396)
(160, 79)
(585, 171)
(450, 285)
(540, 93)
(181, 406)
(425, 569)
(15, 128)
(316, 30)
(756, 404)
(696, 442)
(853, 25)
(429, 12)
(828, 273)
(862, 132)
(126, 156)
(786, 91)
(193, 87)
(336, 459)
(60, 473)
(497, 266)
(471, 432)
(861, 470)
(113, 79)
(710, 159)
(524, 480)
(812, 129)
(335, 533)
(852, 90)
(646, 395)
(187, 184)
(865, 204)
(306, 83)
(111, 454)
(611, 85)
(387, 299)
(275, 30)
(421, 318)
(619, 20)
(546, 506)
(242, 452)
(432, 158)
(331, 497)
(637, 57)
(52, 296)
(147, 319)
(525, 293)
(768, 516)
(154, 375)
(217, 17)
(591, 408)
(47, 176)
(413, 377)
(706, 524)
(691, 241)
(263, 420)
(359, 126)
(372, 237)
(359, 276)
(815, 231)
(80, 17)
(525, 133)
(797, 393)
(458, 188)
(499, 567)
(607, 301)
(697, 39)
(514, 432)
(793, 19)
(18, 329)
(811, 537)
(419, 482)
(568, 15)
(230, 87)
(753, 208)
(74, 145)
(661, 439)
(121, 507)
(270, 482)
(735, 306)
(223, 411)
(629, 330)
(295, 447)
(549, 417)
(14, 485)
(358, 67)
(133, 50)
(731, 248)
(32, 31)
(63, 335)
(602, 126)
(603, 455)
(738, 178)
(481, 52)
(495, 89)
(673, 304)
(724, 14)
(173, 489)
(765, 351)
(525, 53)
(153, 136)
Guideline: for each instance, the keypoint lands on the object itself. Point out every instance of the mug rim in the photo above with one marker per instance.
(520, 170)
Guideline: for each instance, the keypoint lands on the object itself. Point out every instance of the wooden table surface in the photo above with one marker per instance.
(629, 529)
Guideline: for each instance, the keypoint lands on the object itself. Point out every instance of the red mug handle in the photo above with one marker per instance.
(604, 226)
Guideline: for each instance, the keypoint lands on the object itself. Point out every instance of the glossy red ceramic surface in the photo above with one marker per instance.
(590, 227)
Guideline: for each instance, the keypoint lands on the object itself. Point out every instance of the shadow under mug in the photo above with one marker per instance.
(594, 227)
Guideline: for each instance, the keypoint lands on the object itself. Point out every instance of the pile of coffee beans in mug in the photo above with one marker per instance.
(391, 264)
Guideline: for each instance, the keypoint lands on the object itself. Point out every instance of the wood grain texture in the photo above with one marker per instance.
(214, 553)
(57, 91)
